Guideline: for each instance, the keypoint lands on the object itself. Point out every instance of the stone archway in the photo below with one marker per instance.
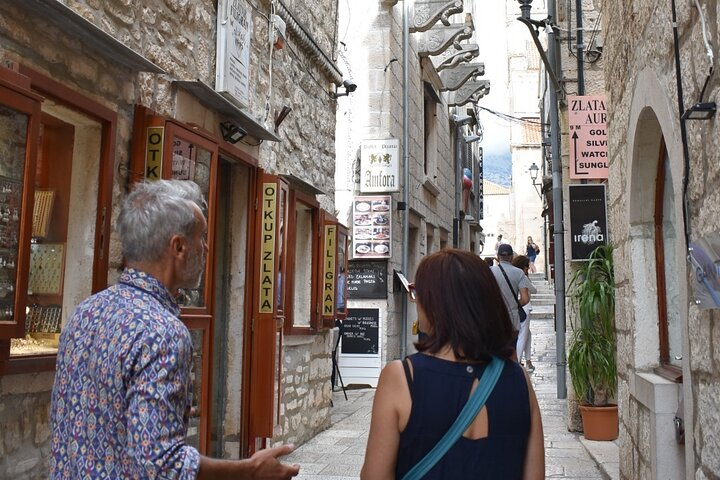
(648, 402)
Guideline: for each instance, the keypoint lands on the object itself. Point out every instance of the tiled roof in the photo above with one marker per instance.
(531, 132)
(490, 188)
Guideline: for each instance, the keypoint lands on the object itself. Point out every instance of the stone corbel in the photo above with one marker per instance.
(451, 58)
(438, 39)
(469, 92)
(388, 3)
(426, 13)
(454, 78)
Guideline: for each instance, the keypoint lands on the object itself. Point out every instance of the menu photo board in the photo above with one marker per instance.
(372, 226)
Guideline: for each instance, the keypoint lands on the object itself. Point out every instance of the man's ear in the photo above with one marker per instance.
(178, 245)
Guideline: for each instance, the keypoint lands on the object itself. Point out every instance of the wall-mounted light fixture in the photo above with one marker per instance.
(349, 87)
(534, 170)
(700, 111)
(231, 133)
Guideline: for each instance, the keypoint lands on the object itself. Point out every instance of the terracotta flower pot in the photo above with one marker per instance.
(600, 423)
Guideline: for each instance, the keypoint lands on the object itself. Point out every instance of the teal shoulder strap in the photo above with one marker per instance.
(467, 415)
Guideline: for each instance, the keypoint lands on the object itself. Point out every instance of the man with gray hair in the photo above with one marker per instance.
(122, 393)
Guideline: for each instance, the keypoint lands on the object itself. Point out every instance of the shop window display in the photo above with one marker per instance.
(65, 195)
(13, 132)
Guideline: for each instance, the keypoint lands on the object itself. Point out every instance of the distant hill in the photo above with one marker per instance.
(497, 168)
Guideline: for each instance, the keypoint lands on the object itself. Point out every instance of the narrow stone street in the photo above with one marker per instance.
(338, 453)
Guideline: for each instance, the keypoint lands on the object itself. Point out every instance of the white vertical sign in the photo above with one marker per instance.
(234, 29)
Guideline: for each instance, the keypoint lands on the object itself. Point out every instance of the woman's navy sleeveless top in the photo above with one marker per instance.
(440, 389)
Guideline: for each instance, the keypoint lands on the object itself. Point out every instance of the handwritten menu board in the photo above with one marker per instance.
(361, 331)
(367, 279)
(372, 226)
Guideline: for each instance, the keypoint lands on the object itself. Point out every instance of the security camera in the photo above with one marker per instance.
(461, 120)
(349, 85)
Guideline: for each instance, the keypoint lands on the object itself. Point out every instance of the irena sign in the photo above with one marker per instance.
(588, 219)
(587, 119)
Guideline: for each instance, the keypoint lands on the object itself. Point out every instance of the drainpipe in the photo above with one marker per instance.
(558, 229)
(580, 47)
(406, 171)
(551, 61)
(457, 221)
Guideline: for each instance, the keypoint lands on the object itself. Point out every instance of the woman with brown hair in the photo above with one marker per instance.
(524, 342)
(460, 308)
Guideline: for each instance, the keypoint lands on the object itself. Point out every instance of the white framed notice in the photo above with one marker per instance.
(234, 29)
(380, 166)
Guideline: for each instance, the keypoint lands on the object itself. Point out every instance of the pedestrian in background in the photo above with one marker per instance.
(122, 393)
(498, 243)
(513, 285)
(532, 252)
(524, 343)
(460, 307)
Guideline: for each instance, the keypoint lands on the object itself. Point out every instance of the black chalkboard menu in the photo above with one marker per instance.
(361, 331)
(367, 279)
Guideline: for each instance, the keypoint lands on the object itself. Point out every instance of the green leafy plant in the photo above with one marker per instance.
(592, 354)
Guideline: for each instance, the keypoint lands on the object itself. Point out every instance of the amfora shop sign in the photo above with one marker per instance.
(587, 119)
(380, 165)
(588, 219)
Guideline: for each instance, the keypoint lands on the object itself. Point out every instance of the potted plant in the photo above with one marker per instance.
(591, 356)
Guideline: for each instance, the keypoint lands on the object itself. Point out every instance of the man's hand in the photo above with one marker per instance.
(264, 465)
(267, 466)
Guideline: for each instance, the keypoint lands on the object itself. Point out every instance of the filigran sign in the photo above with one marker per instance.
(587, 118)
(329, 273)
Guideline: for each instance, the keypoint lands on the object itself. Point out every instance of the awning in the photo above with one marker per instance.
(92, 37)
(300, 184)
(215, 101)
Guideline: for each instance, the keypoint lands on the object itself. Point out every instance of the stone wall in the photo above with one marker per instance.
(372, 55)
(305, 410)
(640, 65)
(179, 36)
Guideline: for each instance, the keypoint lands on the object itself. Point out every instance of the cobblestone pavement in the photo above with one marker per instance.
(338, 453)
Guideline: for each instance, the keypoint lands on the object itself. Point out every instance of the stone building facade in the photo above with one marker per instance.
(371, 52)
(108, 72)
(667, 338)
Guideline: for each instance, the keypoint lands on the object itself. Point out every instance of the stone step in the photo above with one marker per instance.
(542, 311)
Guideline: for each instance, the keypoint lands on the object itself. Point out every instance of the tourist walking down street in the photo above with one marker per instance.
(469, 335)
(524, 342)
(514, 285)
(122, 393)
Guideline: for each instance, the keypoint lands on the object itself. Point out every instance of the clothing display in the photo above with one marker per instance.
(123, 412)
(440, 388)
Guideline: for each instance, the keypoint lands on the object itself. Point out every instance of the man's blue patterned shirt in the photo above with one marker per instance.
(122, 392)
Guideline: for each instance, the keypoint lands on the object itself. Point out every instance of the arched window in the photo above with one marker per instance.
(667, 233)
